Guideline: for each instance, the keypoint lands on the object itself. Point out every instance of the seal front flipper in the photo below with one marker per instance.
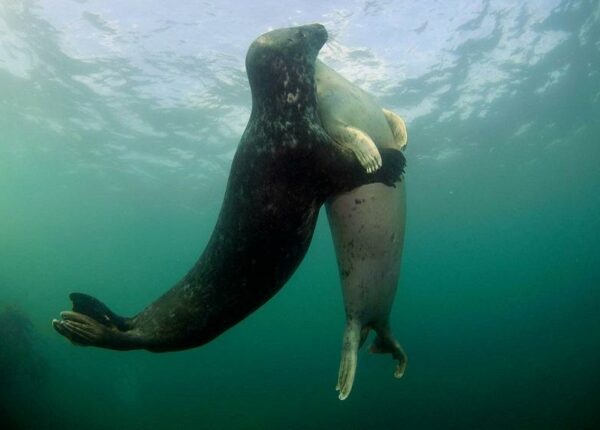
(361, 144)
(392, 168)
(398, 128)
(345, 171)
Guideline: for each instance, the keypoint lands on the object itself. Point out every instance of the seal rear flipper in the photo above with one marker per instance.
(94, 308)
(91, 323)
(386, 343)
(348, 362)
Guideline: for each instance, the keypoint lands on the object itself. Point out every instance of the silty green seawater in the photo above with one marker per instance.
(118, 123)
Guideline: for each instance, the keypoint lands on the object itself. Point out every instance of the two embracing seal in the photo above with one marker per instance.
(285, 167)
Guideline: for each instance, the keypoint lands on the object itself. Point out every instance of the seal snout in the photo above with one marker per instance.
(318, 31)
(315, 33)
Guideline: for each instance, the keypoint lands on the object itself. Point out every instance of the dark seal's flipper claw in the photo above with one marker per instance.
(58, 326)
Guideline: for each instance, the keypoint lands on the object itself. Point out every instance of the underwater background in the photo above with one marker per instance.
(118, 123)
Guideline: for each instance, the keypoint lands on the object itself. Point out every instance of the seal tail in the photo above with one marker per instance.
(94, 308)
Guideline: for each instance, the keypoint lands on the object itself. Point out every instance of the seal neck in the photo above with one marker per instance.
(292, 97)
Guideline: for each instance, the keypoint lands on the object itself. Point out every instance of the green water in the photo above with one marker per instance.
(117, 127)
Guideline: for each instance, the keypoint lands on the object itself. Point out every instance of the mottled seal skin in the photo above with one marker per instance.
(367, 223)
(284, 169)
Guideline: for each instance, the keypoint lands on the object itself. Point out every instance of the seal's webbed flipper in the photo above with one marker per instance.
(398, 128)
(352, 338)
(92, 323)
(386, 343)
(94, 308)
(392, 167)
(362, 145)
(346, 172)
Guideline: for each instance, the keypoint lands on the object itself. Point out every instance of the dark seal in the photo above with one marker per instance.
(284, 169)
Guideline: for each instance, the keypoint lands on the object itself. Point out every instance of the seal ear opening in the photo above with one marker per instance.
(94, 308)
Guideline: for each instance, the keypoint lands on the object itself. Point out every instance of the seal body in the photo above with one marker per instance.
(367, 223)
(284, 169)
